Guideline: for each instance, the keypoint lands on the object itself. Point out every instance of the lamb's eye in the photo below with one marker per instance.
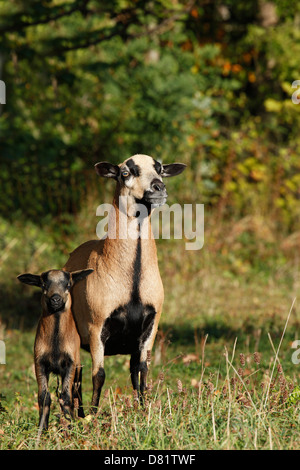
(125, 173)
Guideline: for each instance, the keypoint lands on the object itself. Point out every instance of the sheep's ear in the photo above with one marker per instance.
(108, 170)
(79, 275)
(172, 169)
(31, 279)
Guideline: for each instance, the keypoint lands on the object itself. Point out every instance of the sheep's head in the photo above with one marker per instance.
(56, 285)
(141, 178)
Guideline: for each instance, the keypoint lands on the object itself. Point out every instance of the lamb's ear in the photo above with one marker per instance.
(79, 275)
(108, 170)
(172, 169)
(31, 279)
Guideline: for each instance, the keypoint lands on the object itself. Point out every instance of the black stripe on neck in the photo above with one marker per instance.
(137, 266)
(55, 337)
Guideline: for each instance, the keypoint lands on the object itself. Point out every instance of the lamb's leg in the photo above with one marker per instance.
(44, 398)
(66, 399)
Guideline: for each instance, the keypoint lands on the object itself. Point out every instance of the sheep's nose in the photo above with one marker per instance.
(55, 299)
(157, 185)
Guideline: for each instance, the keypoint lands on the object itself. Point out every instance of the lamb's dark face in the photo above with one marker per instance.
(56, 285)
(141, 177)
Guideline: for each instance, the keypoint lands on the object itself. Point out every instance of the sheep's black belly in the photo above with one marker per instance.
(127, 328)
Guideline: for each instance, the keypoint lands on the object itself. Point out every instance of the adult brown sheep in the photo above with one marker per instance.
(118, 307)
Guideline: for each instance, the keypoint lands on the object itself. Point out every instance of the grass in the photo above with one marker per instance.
(221, 373)
(247, 402)
(197, 399)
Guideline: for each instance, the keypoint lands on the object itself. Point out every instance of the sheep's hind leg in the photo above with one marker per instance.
(98, 373)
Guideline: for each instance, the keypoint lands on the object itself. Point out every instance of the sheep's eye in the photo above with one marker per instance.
(125, 173)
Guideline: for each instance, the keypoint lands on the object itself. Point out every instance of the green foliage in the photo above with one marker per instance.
(91, 80)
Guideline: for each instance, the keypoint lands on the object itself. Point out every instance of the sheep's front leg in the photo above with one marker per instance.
(138, 373)
(77, 393)
(138, 362)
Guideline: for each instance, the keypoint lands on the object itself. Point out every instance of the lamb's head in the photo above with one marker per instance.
(56, 285)
(140, 177)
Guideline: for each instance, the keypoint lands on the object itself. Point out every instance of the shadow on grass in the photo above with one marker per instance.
(185, 334)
